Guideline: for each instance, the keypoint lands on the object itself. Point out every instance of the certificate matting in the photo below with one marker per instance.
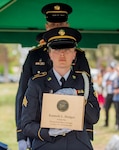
(62, 111)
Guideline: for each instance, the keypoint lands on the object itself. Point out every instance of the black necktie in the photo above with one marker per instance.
(63, 81)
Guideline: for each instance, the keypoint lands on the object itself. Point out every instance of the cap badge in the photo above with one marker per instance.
(61, 32)
(57, 7)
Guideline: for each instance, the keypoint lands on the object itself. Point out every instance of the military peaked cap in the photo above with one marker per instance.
(56, 12)
(63, 37)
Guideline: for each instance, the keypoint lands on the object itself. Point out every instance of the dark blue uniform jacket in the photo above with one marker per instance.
(31, 113)
(37, 61)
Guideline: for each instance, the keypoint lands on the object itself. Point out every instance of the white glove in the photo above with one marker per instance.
(23, 145)
(67, 91)
(28, 143)
(56, 132)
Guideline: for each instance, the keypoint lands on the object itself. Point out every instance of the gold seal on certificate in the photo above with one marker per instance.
(63, 111)
(62, 105)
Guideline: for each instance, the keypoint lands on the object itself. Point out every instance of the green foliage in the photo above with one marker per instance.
(7, 115)
(9, 57)
(102, 135)
(1, 69)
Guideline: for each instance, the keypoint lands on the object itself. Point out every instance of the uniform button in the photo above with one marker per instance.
(38, 71)
(64, 134)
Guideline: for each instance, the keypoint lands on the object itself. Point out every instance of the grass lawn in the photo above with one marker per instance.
(102, 135)
(7, 121)
(7, 115)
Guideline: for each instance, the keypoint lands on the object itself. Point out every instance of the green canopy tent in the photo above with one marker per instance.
(97, 20)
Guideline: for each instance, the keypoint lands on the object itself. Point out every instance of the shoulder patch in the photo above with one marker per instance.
(82, 72)
(78, 49)
(25, 102)
(39, 75)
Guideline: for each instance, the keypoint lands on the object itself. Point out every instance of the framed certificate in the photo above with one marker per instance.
(62, 111)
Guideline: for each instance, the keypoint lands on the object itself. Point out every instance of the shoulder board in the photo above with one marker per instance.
(82, 72)
(78, 49)
(37, 47)
(42, 42)
(39, 75)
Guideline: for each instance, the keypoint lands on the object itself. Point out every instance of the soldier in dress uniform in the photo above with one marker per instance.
(61, 43)
(37, 61)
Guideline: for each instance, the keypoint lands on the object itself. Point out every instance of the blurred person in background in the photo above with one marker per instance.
(98, 87)
(107, 83)
(116, 98)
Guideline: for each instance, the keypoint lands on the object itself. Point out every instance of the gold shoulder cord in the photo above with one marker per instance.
(40, 135)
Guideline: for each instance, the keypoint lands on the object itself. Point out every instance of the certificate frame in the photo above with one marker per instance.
(62, 111)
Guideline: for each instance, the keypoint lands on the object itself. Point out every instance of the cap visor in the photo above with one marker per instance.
(56, 17)
(62, 44)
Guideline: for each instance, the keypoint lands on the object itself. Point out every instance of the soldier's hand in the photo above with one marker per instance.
(22, 145)
(56, 132)
(28, 143)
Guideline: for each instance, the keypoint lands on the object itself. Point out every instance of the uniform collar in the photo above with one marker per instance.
(58, 76)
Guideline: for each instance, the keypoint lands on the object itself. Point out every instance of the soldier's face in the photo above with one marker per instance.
(52, 25)
(62, 58)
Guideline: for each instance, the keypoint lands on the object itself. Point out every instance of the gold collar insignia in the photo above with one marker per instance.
(73, 76)
(49, 78)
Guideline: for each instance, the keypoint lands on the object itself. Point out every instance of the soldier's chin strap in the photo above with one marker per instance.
(86, 85)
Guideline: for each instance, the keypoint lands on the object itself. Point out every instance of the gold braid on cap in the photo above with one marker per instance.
(59, 11)
(61, 37)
